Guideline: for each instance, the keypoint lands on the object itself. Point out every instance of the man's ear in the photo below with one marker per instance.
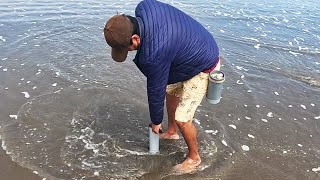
(135, 41)
(136, 38)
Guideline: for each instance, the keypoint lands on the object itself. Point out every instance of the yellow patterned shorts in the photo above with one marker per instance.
(191, 93)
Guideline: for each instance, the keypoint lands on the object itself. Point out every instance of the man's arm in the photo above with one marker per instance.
(157, 78)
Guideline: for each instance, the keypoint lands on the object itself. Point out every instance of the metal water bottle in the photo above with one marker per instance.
(153, 142)
(216, 79)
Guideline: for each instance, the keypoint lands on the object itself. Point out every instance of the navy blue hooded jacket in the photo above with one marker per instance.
(173, 48)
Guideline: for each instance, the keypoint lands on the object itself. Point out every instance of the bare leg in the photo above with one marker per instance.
(189, 133)
(172, 132)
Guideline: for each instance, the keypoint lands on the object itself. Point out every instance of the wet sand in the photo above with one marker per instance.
(10, 170)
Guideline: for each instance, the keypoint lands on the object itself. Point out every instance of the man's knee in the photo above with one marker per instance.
(182, 124)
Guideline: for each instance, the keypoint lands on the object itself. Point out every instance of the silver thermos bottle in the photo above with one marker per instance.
(153, 141)
(216, 80)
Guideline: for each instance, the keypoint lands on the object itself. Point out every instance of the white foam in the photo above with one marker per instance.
(312, 104)
(285, 152)
(303, 106)
(26, 94)
(249, 91)
(35, 172)
(54, 84)
(221, 30)
(4, 70)
(257, 106)
(300, 145)
(247, 118)
(316, 169)
(96, 173)
(270, 114)
(245, 105)
(214, 132)
(13, 116)
(294, 53)
(257, 46)
(241, 68)
(1, 38)
(36, 45)
(245, 147)
(197, 121)
(290, 106)
(250, 38)
(224, 142)
(57, 73)
(318, 117)
(264, 120)
(232, 126)
(238, 82)
(276, 93)
(251, 136)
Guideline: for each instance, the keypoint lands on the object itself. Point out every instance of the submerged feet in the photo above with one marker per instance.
(187, 165)
(169, 135)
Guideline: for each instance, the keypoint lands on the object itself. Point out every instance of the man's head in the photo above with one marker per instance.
(120, 33)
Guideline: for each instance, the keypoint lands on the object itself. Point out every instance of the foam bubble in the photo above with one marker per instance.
(300, 145)
(276, 93)
(1, 38)
(13, 116)
(251, 136)
(54, 84)
(197, 121)
(238, 82)
(214, 132)
(303, 106)
(316, 169)
(5, 70)
(270, 114)
(257, 46)
(264, 120)
(318, 117)
(26, 94)
(245, 147)
(247, 118)
(224, 142)
(232, 126)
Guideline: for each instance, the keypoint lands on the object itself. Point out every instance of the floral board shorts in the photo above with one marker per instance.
(191, 93)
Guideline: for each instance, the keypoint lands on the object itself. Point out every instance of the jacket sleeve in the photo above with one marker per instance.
(157, 78)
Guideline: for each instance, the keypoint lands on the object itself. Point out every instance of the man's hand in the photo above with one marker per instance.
(156, 128)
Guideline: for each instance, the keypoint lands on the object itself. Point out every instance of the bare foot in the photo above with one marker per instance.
(187, 166)
(167, 135)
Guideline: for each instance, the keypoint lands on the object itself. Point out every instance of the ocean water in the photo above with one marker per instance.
(67, 111)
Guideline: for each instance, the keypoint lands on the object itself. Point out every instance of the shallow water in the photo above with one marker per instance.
(67, 111)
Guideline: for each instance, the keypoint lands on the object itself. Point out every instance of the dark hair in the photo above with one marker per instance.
(135, 25)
